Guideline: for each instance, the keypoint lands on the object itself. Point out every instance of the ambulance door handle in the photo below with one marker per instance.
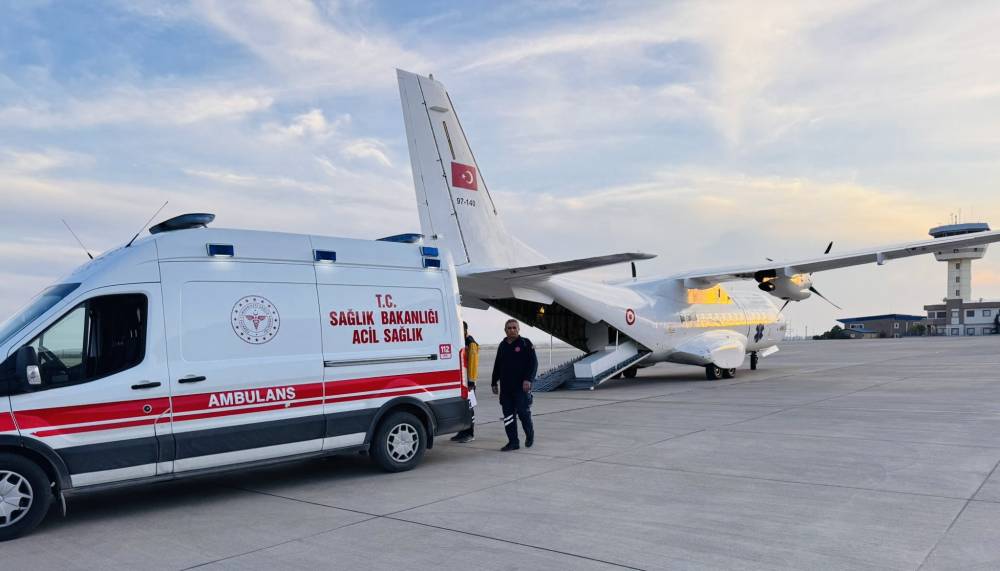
(146, 385)
(192, 379)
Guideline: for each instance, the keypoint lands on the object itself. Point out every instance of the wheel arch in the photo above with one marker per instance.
(412, 405)
(41, 454)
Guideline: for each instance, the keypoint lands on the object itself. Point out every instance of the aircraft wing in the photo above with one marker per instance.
(553, 268)
(880, 255)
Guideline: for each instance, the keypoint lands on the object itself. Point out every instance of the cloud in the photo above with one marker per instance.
(367, 149)
(22, 161)
(330, 47)
(312, 125)
(132, 105)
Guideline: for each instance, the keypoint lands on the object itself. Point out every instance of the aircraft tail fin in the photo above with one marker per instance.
(455, 205)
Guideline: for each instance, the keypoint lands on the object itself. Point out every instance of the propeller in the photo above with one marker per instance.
(816, 291)
(811, 288)
(633, 270)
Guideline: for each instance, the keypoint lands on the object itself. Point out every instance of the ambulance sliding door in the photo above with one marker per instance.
(245, 361)
(385, 335)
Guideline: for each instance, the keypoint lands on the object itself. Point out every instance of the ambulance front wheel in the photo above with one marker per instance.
(399, 443)
(713, 372)
(25, 496)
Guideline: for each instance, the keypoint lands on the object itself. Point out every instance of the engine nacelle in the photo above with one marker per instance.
(795, 288)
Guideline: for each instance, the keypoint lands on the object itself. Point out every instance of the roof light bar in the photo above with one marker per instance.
(429, 251)
(432, 263)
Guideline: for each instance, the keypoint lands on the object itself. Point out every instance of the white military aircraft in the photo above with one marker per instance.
(710, 318)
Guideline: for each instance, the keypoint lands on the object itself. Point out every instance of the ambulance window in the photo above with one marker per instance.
(102, 336)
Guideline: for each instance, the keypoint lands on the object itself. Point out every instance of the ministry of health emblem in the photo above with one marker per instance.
(255, 319)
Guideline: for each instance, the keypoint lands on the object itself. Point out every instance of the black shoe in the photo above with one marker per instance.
(466, 438)
(528, 441)
(457, 437)
(509, 447)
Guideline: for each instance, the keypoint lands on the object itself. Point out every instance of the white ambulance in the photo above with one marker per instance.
(198, 349)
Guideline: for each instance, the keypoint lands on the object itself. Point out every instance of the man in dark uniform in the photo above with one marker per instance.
(513, 372)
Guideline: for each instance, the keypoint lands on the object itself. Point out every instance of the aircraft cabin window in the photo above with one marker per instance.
(100, 337)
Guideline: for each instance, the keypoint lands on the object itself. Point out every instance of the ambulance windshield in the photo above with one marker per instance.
(39, 305)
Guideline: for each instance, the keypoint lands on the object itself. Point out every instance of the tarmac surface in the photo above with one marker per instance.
(877, 454)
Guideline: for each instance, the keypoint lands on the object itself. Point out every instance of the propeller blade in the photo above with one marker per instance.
(816, 291)
(828, 248)
(784, 305)
(633, 270)
(769, 259)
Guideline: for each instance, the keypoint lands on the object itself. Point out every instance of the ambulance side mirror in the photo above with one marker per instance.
(26, 367)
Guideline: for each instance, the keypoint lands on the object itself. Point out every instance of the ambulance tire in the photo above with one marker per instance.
(728, 373)
(400, 441)
(21, 476)
(630, 372)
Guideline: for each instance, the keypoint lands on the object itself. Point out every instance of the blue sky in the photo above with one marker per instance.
(708, 133)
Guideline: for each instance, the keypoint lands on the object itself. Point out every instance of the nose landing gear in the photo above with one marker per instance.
(753, 360)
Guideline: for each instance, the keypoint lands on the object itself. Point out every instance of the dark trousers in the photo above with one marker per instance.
(516, 404)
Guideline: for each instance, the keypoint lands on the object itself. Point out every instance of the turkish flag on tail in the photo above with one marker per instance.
(464, 176)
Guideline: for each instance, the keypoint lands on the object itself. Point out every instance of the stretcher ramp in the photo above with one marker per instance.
(589, 371)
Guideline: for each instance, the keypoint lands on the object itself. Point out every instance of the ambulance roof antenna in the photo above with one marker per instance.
(89, 255)
(146, 224)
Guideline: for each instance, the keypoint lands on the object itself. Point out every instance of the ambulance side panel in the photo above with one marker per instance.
(245, 361)
(389, 337)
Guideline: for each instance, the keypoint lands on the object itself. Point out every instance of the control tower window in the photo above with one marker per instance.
(958, 265)
(957, 293)
(958, 279)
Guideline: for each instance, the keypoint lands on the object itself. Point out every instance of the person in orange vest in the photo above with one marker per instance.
(472, 369)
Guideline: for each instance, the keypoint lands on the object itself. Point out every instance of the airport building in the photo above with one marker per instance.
(959, 315)
(878, 326)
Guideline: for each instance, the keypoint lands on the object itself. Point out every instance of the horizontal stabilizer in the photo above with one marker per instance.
(553, 268)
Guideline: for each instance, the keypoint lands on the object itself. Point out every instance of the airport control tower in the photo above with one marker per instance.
(959, 259)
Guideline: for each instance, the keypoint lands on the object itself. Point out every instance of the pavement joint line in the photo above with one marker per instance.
(782, 481)
(293, 540)
(512, 542)
(490, 487)
(957, 516)
(830, 437)
(896, 441)
(391, 515)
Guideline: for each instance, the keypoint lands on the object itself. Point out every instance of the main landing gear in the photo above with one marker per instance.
(713, 372)
(753, 360)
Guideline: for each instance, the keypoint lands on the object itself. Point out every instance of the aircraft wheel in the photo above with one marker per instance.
(630, 372)
(728, 373)
(713, 372)
(753, 361)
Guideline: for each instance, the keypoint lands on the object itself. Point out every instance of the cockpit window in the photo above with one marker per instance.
(37, 306)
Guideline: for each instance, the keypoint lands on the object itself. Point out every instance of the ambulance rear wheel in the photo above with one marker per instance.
(25, 496)
(400, 441)
(728, 373)
(630, 372)
(713, 372)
